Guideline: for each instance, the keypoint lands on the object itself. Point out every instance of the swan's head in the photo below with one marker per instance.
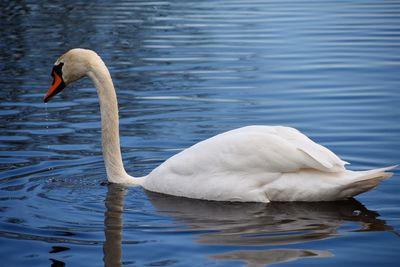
(71, 66)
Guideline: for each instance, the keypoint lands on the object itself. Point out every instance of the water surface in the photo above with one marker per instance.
(185, 71)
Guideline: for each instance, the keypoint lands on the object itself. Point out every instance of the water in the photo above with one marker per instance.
(186, 70)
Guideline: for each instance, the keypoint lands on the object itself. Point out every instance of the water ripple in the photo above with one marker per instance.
(185, 71)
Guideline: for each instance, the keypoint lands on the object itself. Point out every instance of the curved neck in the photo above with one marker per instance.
(109, 123)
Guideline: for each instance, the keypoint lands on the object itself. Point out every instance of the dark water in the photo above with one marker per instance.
(186, 70)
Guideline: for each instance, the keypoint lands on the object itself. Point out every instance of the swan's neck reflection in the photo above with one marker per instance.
(113, 225)
(245, 224)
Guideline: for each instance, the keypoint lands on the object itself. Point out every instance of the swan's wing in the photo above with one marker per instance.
(238, 161)
(254, 148)
(284, 140)
(326, 160)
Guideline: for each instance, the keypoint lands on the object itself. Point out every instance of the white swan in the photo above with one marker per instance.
(254, 163)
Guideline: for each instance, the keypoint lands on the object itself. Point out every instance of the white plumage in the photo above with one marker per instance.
(262, 164)
(254, 163)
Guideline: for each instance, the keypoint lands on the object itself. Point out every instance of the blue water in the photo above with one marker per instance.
(185, 71)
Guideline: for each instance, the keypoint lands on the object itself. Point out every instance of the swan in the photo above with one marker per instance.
(250, 164)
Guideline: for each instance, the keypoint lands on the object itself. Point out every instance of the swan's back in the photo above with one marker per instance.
(254, 163)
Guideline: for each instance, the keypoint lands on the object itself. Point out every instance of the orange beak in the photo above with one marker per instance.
(57, 86)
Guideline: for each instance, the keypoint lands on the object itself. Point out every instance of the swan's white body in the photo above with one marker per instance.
(262, 164)
(254, 163)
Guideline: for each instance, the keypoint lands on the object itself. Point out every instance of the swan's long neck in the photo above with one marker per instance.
(109, 124)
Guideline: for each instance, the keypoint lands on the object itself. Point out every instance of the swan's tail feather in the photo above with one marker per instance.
(366, 181)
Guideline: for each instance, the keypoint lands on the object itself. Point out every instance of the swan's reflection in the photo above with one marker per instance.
(259, 258)
(261, 224)
(112, 247)
(246, 224)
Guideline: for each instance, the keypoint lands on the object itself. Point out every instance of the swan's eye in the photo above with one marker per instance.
(57, 69)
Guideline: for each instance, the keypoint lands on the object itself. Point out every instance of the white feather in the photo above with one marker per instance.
(255, 163)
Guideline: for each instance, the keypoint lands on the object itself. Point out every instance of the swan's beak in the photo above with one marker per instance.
(57, 86)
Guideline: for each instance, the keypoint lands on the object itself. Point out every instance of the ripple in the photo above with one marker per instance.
(185, 71)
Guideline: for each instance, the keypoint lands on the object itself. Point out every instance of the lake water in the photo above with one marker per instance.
(185, 71)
